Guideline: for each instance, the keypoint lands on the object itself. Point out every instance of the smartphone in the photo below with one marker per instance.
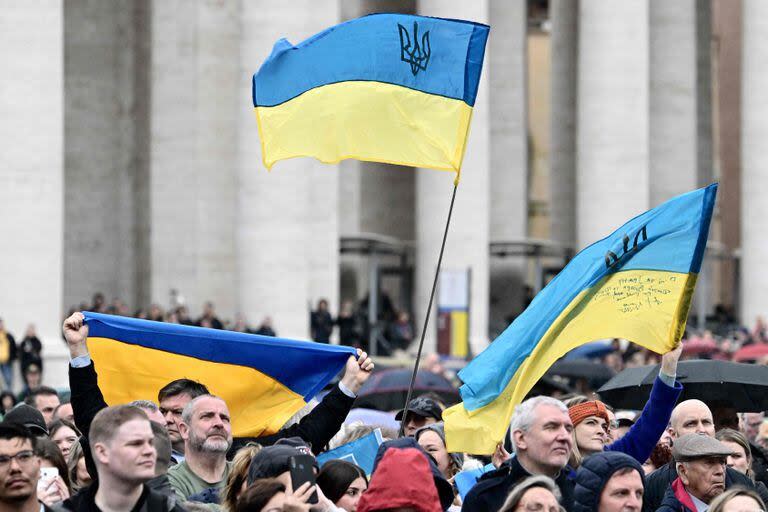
(47, 475)
(302, 469)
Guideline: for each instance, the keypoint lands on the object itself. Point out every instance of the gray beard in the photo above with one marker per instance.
(206, 445)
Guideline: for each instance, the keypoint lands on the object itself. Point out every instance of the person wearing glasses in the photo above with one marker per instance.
(19, 469)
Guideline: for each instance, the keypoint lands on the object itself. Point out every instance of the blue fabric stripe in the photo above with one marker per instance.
(304, 367)
(674, 230)
(369, 49)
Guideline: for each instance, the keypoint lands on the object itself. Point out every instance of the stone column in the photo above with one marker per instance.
(194, 91)
(100, 114)
(562, 178)
(680, 98)
(612, 172)
(31, 172)
(754, 180)
(507, 76)
(287, 219)
(467, 245)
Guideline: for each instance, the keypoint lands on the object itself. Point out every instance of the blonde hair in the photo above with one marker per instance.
(718, 504)
(237, 475)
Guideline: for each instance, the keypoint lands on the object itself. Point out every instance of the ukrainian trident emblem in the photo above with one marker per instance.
(413, 53)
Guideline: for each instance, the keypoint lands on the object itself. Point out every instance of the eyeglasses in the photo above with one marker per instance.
(23, 457)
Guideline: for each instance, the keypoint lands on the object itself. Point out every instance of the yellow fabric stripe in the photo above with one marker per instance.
(459, 333)
(370, 121)
(614, 308)
(257, 403)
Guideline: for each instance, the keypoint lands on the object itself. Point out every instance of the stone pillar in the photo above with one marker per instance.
(287, 219)
(31, 172)
(612, 172)
(194, 92)
(507, 76)
(562, 178)
(100, 114)
(467, 244)
(680, 98)
(754, 180)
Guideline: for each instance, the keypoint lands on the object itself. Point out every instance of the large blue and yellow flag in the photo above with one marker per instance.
(391, 88)
(264, 380)
(636, 284)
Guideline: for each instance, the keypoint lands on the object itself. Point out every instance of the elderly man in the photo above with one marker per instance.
(700, 462)
(609, 482)
(689, 417)
(541, 433)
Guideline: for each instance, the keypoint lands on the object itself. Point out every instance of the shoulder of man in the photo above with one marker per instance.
(158, 502)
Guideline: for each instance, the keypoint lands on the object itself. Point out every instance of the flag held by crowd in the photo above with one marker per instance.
(390, 88)
(635, 284)
(360, 451)
(263, 380)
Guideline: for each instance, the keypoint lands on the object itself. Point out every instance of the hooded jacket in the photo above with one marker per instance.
(401, 479)
(444, 488)
(594, 473)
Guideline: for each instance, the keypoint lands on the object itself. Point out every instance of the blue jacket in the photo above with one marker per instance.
(649, 427)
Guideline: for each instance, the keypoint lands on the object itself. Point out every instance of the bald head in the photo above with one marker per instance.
(691, 417)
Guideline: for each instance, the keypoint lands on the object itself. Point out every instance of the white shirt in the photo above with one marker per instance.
(700, 505)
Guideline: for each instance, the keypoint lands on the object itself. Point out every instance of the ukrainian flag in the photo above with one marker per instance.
(264, 380)
(390, 88)
(636, 284)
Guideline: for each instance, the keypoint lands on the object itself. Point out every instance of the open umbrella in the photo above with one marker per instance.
(593, 371)
(593, 350)
(387, 390)
(742, 386)
(751, 352)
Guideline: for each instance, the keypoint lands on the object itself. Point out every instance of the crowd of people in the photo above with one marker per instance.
(176, 451)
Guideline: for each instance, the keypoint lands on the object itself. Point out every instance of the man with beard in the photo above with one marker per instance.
(207, 434)
(19, 470)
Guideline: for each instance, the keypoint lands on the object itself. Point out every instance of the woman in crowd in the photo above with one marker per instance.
(7, 401)
(432, 439)
(269, 495)
(343, 483)
(741, 459)
(237, 481)
(737, 499)
(64, 434)
(52, 489)
(534, 493)
(660, 456)
(78, 473)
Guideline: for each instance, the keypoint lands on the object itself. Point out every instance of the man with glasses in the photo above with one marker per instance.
(19, 469)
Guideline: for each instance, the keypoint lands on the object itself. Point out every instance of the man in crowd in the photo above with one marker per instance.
(749, 423)
(609, 482)
(541, 433)
(45, 400)
(172, 399)
(122, 444)
(421, 411)
(700, 462)
(64, 412)
(689, 417)
(19, 469)
(207, 433)
(28, 417)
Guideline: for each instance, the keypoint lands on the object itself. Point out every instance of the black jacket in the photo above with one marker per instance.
(671, 503)
(492, 489)
(150, 501)
(759, 463)
(659, 481)
(316, 428)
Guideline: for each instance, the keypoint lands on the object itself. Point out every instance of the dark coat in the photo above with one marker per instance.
(316, 428)
(492, 489)
(659, 481)
(676, 499)
(84, 501)
(759, 463)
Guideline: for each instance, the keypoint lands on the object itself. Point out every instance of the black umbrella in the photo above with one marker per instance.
(595, 372)
(387, 390)
(741, 386)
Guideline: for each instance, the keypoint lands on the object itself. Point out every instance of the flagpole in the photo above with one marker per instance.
(429, 311)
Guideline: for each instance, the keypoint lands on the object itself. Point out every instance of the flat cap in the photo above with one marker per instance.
(697, 446)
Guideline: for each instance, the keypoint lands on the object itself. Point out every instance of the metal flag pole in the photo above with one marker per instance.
(429, 312)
